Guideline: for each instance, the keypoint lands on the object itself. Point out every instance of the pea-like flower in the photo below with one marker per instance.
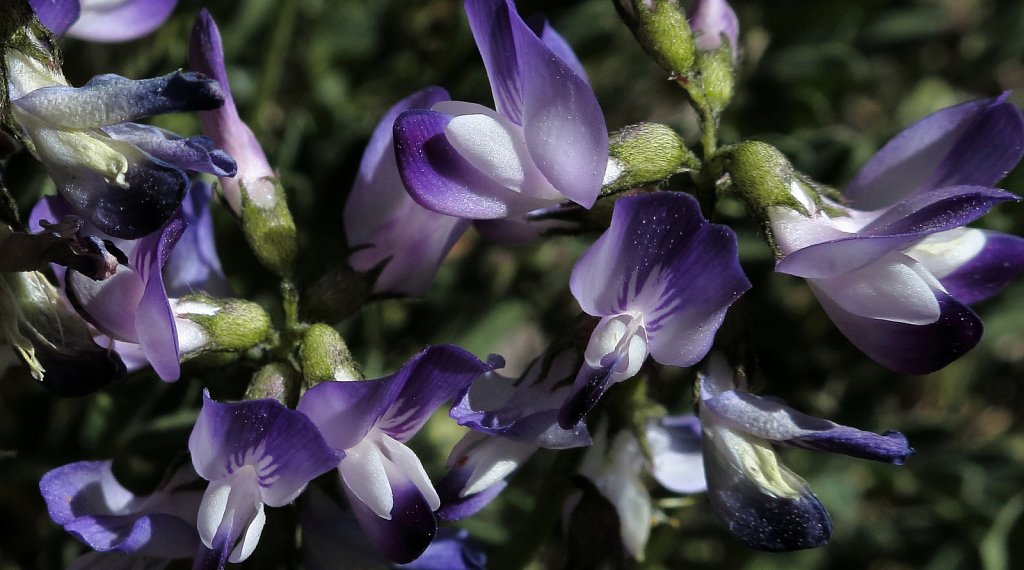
(368, 423)
(545, 143)
(893, 266)
(758, 499)
(661, 279)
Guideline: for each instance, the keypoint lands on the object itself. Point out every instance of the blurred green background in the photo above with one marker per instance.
(828, 82)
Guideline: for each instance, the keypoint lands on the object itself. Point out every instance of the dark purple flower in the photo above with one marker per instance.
(897, 268)
(369, 421)
(116, 185)
(546, 143)
(758, 499)
(89, 503)
(661, 279)
(383, 224)
(103, 20)
(253, 453)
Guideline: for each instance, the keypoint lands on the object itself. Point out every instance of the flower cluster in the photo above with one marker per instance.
(117, 271)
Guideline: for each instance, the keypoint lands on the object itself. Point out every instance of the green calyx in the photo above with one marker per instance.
(271, 231)
(231, 325)
(762, 176)
(665, 34)
(646, 153)
(325, 356)
(717, 77)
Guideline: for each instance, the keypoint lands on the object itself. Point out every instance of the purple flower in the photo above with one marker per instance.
(758, 499)
(369, 421)
(255, 177)
(89, 503)
(124, 179)
(896, 270)
(546, 143)
(661, 279)
(254, 453)
(103, 20)
(712, 21)
(383, 224)
(194, 264)
(510, 419)
(132, 305)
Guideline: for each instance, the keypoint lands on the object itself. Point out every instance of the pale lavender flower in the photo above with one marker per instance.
(758, 499)
(103, 20)
(253, 453)
(369, 422)
(894, 267)
(546, 142)
(383, 224)
(661, 279)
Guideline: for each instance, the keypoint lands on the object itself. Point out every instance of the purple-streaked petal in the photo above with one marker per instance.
(225, 127)
(712, 19)
(757, 498)
(971, 264)
(408, 532)
(910, 349)
(111, 99)
(914, 218)
(384, 223)
(677, 460)
(109, 305)
(121, 20)
(56, 15)
(346, 411)
(283, 444)
(194, 264)
(590, 385)
(437, 176)
(89, 503)
(562, 121)
(490, 21)
(432, 377)
(452, 549)
(662, 258)
(197, 154)
(775, 421)
(974, 143)
(554, 41)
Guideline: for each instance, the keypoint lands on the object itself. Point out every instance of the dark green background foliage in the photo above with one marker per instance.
(828, 82)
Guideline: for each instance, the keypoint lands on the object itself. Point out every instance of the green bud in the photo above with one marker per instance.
(762, 176)
(664, 33)
(717, 77)
(277, 380)
(206, 324)
(339, 293)
(645, 153)
(271, 231)
(324, 356)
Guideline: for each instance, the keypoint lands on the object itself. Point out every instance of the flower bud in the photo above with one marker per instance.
(713, 21)
(270, 231)
(661, 28)
(645, 153)
(206, 324)
(324, 356)
(762, 176)
(277, 380)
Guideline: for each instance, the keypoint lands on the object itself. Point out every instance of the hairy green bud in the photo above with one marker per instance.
(645, 153)
(325, 356)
